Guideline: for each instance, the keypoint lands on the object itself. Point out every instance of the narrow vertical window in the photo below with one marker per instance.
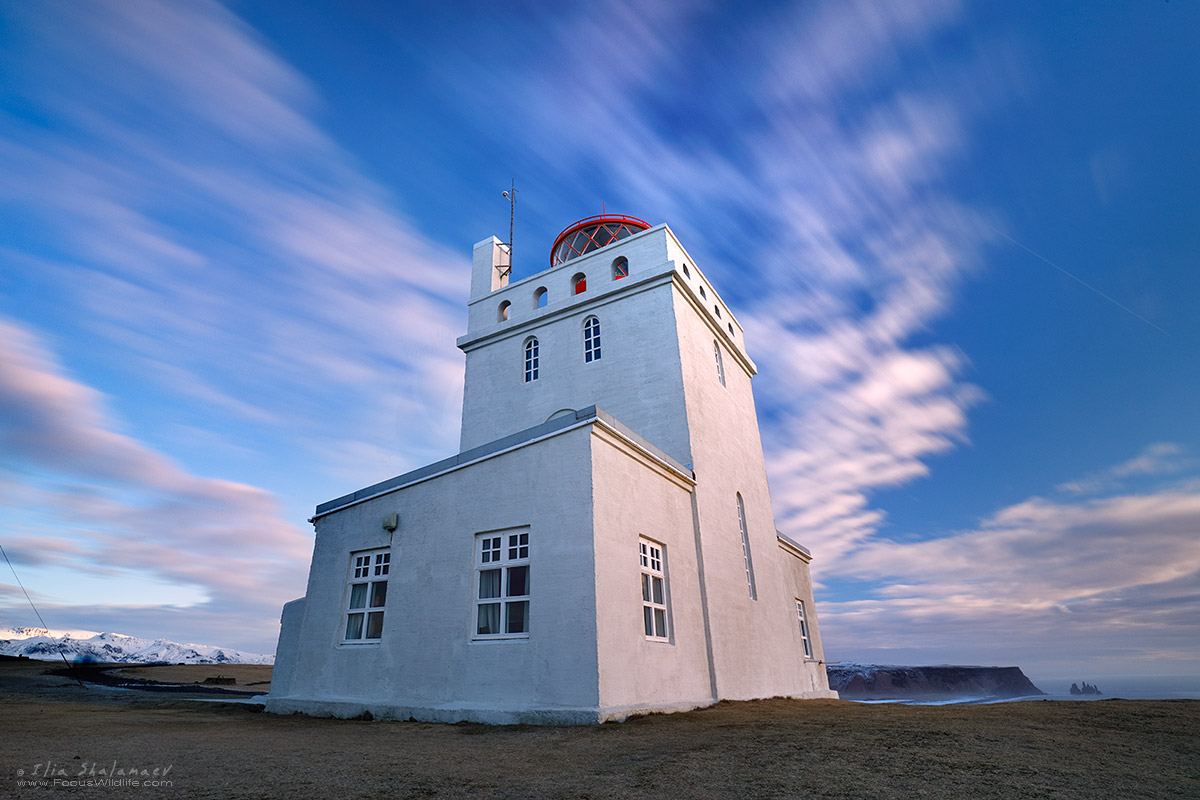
(720, 361)
(502, 597)
(620, 268)
(540, 297)
(591, 340)
(502, 312)
(531, 359)
(654, 590)
(367, 595)
(741, 510)
(803, 620)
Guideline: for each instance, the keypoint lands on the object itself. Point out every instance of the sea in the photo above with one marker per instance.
(1160, 687)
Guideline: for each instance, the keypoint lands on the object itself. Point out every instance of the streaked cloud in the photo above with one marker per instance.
(1112, 581)
(315, 319)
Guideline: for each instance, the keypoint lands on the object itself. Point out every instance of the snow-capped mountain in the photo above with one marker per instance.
(49, 645)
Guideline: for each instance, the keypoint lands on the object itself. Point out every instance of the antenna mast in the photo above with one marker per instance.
(512, 211)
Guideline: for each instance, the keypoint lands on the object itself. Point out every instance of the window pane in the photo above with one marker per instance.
(648, 614)
(378, 594)
(658, 590)
(518, 616)
(518, 582)
(358, 595)
(660, 623)
(354, 625)
(645, 588)
(374, 624)
(491, 549)
(489, 584)
(489, 618)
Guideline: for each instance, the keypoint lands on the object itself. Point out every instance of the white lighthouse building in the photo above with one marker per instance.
(603, 544)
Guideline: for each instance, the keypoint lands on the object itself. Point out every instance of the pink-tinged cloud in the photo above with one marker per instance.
(123, 509)
(1045, 577)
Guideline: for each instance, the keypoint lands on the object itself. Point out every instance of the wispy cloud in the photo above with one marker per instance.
(123, 510)
(1115, 579)
(1161, 458)
(825, 222)
(315, 316)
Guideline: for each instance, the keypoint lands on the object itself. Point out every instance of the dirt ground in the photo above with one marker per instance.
(246, 677)
(772, 748)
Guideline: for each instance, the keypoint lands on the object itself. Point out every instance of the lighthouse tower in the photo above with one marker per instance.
(603, 543)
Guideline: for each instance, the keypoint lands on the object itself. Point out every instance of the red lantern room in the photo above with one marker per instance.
(591, 234)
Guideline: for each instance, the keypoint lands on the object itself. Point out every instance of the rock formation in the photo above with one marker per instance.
(880, 682)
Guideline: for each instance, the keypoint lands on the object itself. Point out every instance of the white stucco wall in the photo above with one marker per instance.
(755, 652)
(633, 499)
(638, 379)
(427, 659)
(798, 578)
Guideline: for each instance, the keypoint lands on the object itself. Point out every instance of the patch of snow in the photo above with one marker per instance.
(47, 645)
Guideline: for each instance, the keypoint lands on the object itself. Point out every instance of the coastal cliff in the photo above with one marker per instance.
(880, 682)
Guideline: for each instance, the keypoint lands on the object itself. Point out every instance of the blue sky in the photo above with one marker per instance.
(962, 239)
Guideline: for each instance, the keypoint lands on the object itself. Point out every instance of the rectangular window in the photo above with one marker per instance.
(654, 591)
(741, 509)
(531, 360)
(803, 628)
(502, 582)
(591, 340)
(367, 595)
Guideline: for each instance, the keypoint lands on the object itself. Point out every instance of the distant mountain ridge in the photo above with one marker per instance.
(49, 645)
(886, 681)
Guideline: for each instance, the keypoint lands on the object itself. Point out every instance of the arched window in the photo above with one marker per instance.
(620, 268)
(591, 340)
(720, 362)
(502, 313)
(531, 359)
(741, 509)
(540, 297)
(578, 283)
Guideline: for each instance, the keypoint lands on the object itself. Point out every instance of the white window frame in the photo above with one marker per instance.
(720, 361)
(802, 619)
(501, 586)
(741, 510)
(532, 351)
(366, 596)
(656, 615)
(591, 340)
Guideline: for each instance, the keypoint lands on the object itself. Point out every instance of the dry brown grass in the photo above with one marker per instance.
(248, 677)
(772, 748)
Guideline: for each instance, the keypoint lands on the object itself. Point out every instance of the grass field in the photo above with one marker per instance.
(770, 748)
